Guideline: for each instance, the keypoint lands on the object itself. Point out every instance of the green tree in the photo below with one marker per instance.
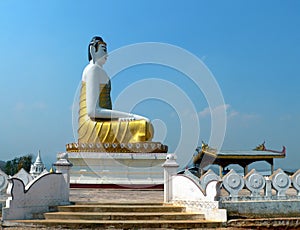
(8, 168)
(13, 166)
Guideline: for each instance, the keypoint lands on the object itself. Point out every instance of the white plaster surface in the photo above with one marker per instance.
(186, 192)
(116, 168)
(191, 190)
(170, 169)
(23, 176)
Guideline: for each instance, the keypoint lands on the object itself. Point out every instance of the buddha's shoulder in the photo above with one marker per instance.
(93, 71)
(92, 68)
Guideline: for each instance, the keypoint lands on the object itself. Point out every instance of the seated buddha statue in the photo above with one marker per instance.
(98, 122)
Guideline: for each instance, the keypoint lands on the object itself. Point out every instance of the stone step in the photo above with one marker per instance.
(120, 208)
(115, 224)
(120, 203)
(123, 216)
(118, 216)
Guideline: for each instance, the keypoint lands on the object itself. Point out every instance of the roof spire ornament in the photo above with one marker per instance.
(38, 166)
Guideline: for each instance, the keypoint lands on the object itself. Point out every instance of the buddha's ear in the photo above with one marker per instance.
(93, 53)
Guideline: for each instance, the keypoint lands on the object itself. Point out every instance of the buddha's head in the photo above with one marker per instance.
(97, 50)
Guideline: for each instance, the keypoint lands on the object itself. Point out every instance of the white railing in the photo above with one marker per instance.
(46, 190)
(274, 187)
(184, 190)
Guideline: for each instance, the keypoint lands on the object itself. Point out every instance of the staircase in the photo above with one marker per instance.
(121, 216)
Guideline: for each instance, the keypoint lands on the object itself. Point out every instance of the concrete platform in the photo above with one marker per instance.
(124, 216)
(116, 195)
(129, 224)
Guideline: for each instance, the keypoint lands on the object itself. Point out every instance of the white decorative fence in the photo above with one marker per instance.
(185, 190)
(46, 190)
(3, 182)
(274, 187)
(3, 187)
(256, 196)
(253, 195)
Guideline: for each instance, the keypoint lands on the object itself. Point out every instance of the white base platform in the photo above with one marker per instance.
(93, 169)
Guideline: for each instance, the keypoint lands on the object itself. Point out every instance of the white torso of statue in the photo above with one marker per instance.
(97, 84)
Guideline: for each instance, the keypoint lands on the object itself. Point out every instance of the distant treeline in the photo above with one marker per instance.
(13, 166)
(2, 165)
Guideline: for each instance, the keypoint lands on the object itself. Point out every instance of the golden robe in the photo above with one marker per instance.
(109, 131)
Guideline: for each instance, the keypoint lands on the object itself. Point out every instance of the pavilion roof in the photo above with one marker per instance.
(246, 154)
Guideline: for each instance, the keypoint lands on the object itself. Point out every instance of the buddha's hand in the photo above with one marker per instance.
(134, 117)
(126, 119)
(138, 117)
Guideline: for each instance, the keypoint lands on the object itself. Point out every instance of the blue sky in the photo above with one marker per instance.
(252, 48)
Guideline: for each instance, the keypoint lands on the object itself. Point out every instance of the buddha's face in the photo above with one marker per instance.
(100, 55)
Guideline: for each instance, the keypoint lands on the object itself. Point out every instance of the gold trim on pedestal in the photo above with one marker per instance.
(138, 147)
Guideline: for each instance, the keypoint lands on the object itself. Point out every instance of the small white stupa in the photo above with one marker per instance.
(37, 167)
